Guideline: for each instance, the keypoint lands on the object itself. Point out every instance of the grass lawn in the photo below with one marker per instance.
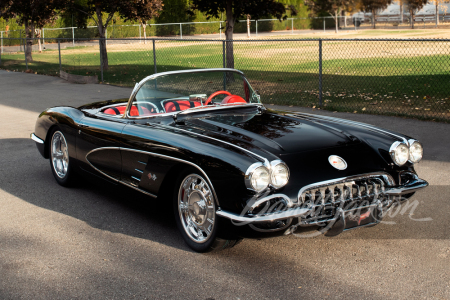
(397, 78)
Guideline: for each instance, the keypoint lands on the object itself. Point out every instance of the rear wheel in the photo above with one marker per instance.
(59, 159)
(195, 213)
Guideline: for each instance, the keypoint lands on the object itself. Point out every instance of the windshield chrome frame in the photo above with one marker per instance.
(138, 86)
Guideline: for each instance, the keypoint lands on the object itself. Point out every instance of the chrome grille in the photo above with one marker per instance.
(325, 198)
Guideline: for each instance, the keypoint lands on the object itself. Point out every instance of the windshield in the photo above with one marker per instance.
(176, 92)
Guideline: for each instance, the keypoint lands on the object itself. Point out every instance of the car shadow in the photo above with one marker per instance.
(101, 204)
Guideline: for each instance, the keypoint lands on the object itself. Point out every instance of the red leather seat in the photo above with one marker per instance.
(120, 110)
(233, 99)
(179, 105)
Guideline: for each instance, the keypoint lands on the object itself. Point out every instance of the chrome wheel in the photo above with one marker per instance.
(59, 154)
(196, 208)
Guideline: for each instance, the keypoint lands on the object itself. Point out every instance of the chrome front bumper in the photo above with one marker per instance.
(295, 210)
(36, 139)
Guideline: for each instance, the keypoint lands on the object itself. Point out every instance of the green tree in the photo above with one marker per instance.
(373, 6)
(32, 14)
(235, 9)
(413, 7)
(333, 7)
(102, 12)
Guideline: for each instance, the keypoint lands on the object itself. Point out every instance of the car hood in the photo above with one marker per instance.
(270, 132)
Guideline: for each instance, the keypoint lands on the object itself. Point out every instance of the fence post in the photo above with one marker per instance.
(73, 36)
(324, 25)
(292, 26)
(101, 59)
(256, 27)
(223, 53)
(106, 37)
(224, 65)
(140, 40)
(43, 37)
(59, 52)
(154, 56)
(25, 51)
(320, 72)
(220, 29)
(181, 32)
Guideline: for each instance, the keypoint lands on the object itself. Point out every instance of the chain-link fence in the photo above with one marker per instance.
(403, 77)
(196, 29)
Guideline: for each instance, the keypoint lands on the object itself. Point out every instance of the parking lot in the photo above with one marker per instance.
(100, 241)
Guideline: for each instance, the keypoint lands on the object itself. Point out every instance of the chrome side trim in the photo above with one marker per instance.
(112, 178)
(292, 213)
(135, 178)
(157, 155)
(390, 181)
(140, 171)
(36, 139)
(343, 121)
(141, 162)
(263, 159)
(138, 189)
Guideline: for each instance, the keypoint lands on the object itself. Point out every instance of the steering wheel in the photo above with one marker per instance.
(215, 94)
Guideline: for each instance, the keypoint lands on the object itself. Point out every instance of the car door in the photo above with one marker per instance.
(98, 144)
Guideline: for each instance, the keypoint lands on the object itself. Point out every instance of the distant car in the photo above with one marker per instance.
(232, 169)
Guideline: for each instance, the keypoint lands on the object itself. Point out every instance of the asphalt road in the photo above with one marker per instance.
(98, 241)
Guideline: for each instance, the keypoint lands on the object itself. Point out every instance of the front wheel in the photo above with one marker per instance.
(59, 159)
(195, 213)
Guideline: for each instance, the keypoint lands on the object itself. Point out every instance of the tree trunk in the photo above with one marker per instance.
(411, 15)
(229, 35)
(145, 34)
(336, 20)
(374, 26)
(401, 12)
(29, 34)
(38, 35)
(102, 31)
(248, 26)
(437, 13)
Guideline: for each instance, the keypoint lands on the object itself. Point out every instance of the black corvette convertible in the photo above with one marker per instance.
(232, 168)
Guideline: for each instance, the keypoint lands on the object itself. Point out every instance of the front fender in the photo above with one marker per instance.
(66, 118)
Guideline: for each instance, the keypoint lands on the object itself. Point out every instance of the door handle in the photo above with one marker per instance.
(83, 126)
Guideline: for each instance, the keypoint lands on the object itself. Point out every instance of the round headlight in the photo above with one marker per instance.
(399, 153)
(280, 175)
(415, 151)
(260, 179)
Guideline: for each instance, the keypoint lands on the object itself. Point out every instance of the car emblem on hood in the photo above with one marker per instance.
(337, 162)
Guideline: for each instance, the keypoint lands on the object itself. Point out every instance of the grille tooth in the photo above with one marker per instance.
(324, 200)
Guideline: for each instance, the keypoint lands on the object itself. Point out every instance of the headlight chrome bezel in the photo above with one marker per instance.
(249, 173)
(392, 152)
(411, 142)
(273, 165)
(269, 167)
